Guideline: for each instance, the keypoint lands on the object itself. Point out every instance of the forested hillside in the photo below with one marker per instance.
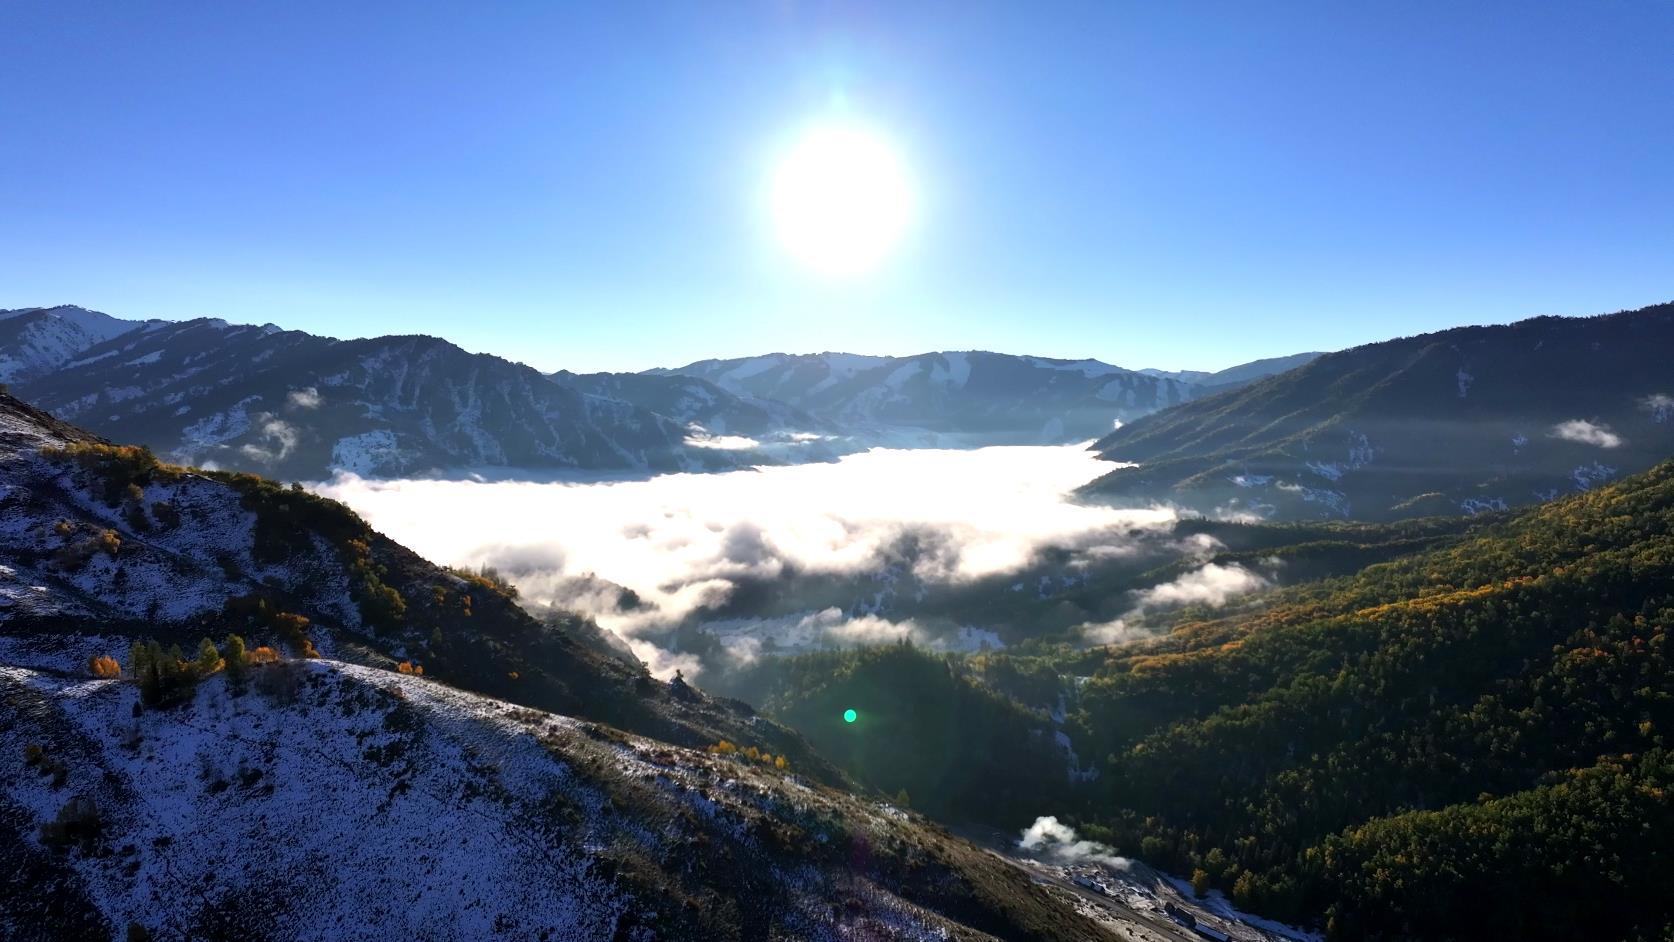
(1467, 741)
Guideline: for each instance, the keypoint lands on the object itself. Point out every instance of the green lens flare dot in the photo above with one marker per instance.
(849, 716)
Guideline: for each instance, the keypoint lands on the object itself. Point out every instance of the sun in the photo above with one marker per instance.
(841, 198)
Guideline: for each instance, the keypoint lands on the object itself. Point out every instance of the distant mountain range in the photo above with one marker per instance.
(1460, 421)
(295, 405)
(966, 398)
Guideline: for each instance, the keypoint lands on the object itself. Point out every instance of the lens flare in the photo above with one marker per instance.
(849, 715)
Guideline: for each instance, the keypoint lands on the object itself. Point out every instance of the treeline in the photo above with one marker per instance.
(168, 676)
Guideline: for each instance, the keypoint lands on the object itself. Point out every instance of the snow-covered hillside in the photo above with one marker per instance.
(36, 340)
(325, 800)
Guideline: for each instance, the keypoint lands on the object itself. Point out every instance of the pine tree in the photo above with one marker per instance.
(235, 660)
(209, 659)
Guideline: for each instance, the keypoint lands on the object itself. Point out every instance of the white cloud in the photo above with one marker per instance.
(723, 442)
(305, 398)
(278, 437)
(1212, 584)
(1112, 632)
(1586, 433)
(1660, 405)
(683, 542)
(1057, 841)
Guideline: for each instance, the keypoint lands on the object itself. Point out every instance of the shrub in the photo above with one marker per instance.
(116, 468)
(486, 577)
(105, 666)
(166, 514)
(78, 824)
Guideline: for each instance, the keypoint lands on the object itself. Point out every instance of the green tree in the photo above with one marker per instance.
(209, 659)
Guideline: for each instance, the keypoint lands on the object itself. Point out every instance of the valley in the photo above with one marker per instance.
(803, 471)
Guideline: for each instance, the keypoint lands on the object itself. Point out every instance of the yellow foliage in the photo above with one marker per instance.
(263, 655)
(104, 665)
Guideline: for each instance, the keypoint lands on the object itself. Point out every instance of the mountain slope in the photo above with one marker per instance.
(1466, 742)
(950, 398)
(1458, 421)
(318, 799)
(290, 404)
(716, 417)
(38, 339)
(1240, 375)
(260, 795)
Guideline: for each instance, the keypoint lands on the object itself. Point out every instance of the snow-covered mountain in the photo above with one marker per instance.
(322, 786)
(34, 340)
(291, 404)
(719, 418)
(959, 398)
(1460, 421)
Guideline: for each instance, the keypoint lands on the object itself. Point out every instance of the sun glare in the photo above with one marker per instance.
(841, 199)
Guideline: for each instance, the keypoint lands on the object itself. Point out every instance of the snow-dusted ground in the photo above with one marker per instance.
(335, 801)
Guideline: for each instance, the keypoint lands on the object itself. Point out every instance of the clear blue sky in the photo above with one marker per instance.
(579, 185)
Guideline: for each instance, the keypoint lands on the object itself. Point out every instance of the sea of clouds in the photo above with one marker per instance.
(684, 542)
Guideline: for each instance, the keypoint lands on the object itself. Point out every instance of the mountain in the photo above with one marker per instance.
(1242, 374)
(1459, 421)
(392, 747)
(717, 418)
(949, 398)
(966, 398)
(34, 340)
(291, 404)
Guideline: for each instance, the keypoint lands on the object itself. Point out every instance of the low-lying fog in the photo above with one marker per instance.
(879, 545)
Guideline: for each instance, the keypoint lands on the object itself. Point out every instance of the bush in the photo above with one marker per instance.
(78, 824)
(117, 468)
(104, 666)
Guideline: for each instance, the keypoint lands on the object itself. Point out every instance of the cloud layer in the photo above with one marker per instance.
(684, 542)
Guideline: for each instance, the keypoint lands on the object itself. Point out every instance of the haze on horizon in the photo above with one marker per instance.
(593, 189)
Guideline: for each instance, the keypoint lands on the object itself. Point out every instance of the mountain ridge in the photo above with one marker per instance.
(1457, 421)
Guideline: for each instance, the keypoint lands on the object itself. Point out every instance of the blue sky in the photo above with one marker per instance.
(580, 185)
